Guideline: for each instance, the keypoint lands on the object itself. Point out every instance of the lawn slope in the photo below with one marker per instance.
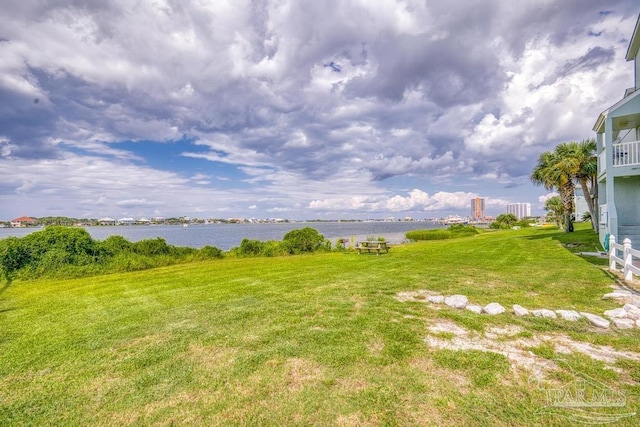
(306, 340)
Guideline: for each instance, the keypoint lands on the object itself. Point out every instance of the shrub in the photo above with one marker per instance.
(209, 252)
(150, 247)
(504, 221)
(304, 240)
(272, 248)
(116, 244)
(249, 247)
(14, 255)
(74, 242)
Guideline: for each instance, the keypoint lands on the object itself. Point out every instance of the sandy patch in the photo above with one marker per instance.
(211, 357)
(418, 296)
(301, 373)
(516, 349)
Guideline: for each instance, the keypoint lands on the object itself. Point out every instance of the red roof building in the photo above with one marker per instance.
(23, 221)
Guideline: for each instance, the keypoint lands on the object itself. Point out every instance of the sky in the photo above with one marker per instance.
(350, 109)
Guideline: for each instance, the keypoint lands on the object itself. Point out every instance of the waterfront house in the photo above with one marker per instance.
(23, 221)
(618, 138)
(107, 221)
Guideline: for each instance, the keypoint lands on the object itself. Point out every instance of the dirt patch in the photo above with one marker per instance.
(375, 346)
(351, 385)
(355, 419)
(211, 357)
(419, 295)
(516, 349)
(427, 365)
(301, 373)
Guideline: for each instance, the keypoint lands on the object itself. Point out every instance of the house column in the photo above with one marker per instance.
(612, 213)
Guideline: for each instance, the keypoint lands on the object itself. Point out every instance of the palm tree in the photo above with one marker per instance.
(554, 206)
(555, 172)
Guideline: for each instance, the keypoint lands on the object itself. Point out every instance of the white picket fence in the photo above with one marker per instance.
(626, 261)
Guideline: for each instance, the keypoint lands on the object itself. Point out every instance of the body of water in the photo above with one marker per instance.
(226, 236)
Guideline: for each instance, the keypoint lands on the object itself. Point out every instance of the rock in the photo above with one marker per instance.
(456, 301)
(598, 321)
(623, 323)
(617, 294)
(493, 309)
(543, 312)
(436, 299)
(616, 313)
(570, 315)
(638, 323)
(474, 308)
(633, 311)
(519, 310)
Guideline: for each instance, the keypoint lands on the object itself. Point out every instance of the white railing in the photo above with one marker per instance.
(626, 262)
(626, 153)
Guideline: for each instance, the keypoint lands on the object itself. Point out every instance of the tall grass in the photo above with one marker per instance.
(435, 234)
(454, 231)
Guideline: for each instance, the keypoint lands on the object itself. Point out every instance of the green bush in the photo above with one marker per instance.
(209, 252)
(14, 255)
(66, 252)
(304, 240)
(249, 247)
(151, 247)
(116, 244)
(74, 242)
(273, 248)
(504, 221)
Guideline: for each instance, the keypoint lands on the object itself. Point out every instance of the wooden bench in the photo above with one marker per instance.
(372, 247)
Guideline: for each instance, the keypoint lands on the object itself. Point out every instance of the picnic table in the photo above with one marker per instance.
(370, 246)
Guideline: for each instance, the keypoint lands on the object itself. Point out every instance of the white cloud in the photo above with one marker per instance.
(298, 105)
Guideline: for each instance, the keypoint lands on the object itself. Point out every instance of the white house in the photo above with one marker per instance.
(618, 137)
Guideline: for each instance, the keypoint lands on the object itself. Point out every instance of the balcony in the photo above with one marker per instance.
(624, 154)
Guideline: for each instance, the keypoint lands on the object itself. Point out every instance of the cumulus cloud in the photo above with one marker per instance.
(298, 104)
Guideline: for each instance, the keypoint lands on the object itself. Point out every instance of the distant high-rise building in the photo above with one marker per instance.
(477, 209)
(520, 210)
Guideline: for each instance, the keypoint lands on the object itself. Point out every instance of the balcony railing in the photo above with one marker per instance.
(625, 154)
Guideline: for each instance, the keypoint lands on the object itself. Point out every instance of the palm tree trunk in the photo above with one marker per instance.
(590, 205)
(566, 194)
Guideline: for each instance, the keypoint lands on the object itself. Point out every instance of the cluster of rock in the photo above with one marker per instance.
(625, 317)
(461, 301)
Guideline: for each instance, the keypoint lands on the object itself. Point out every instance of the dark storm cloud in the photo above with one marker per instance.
(595, 57)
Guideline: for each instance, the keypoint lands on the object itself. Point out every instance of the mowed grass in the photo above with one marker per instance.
(300, 340)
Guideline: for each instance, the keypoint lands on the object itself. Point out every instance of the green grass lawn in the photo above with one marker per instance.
(305, 340)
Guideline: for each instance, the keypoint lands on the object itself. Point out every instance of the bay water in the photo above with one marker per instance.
(227, 236)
